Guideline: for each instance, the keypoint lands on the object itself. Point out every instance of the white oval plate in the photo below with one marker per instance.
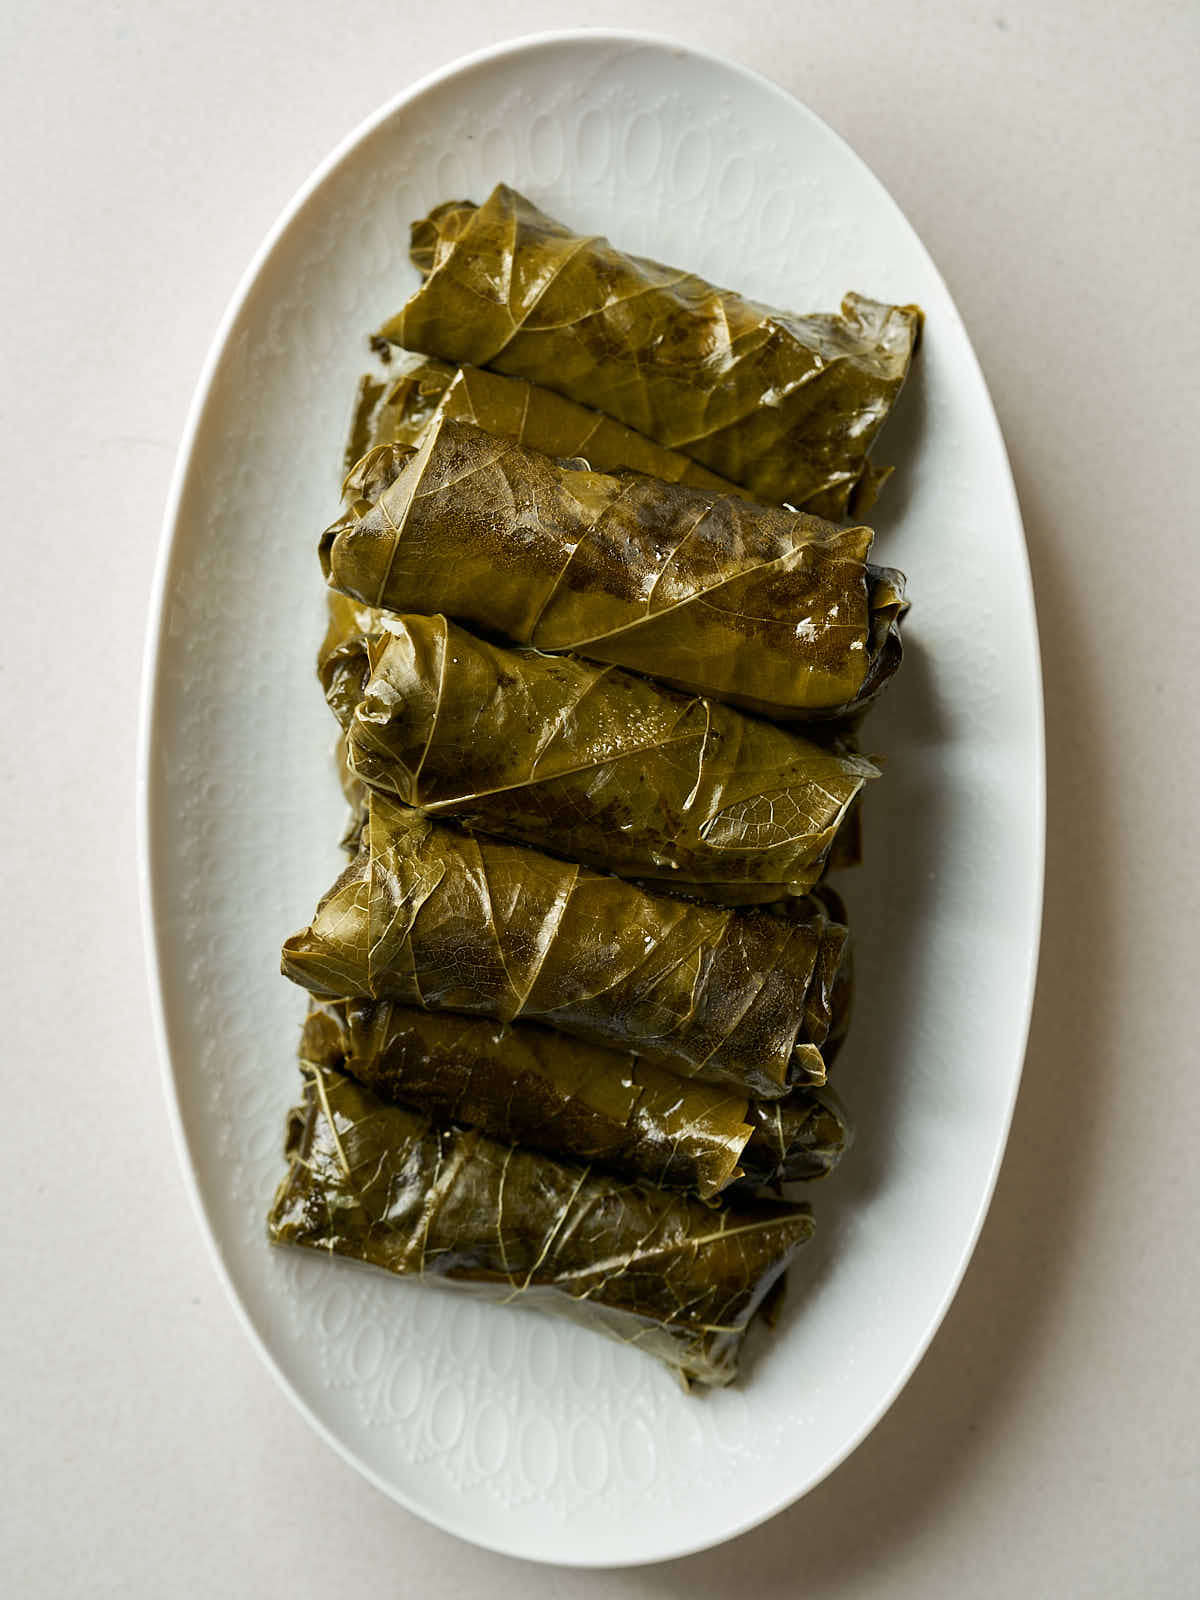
(533, 1437)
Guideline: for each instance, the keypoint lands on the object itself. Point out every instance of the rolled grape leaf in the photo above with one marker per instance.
(787, 405)
(342, 661)
(432, 917)
(532, 1086)
(343, 667)
(794, 1140)
(596, 764)
(529, 1085)
(388, 1186)
(399, 412)
(768, 608)
(432, 237)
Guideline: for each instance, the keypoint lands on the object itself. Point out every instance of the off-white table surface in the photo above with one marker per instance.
(1049, 1444)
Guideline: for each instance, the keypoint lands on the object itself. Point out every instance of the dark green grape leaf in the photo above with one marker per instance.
(432, 917)
(787, 405)
(384, 1185)
(532, 1086)
(528, 1085)
(768, 608)
(596, 764)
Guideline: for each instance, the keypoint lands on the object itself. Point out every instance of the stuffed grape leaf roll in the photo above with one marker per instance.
(343, 667)
(432, 917)
(597, 764)
(765, 607)
(529, 1085)
(787, 405)
(390, 1187)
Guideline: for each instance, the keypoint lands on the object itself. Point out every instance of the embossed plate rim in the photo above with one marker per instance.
(149, 816)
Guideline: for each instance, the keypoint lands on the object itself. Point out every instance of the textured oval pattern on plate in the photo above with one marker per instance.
(526, 1434)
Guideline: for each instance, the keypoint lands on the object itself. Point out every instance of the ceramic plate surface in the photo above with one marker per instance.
(534, 1437)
